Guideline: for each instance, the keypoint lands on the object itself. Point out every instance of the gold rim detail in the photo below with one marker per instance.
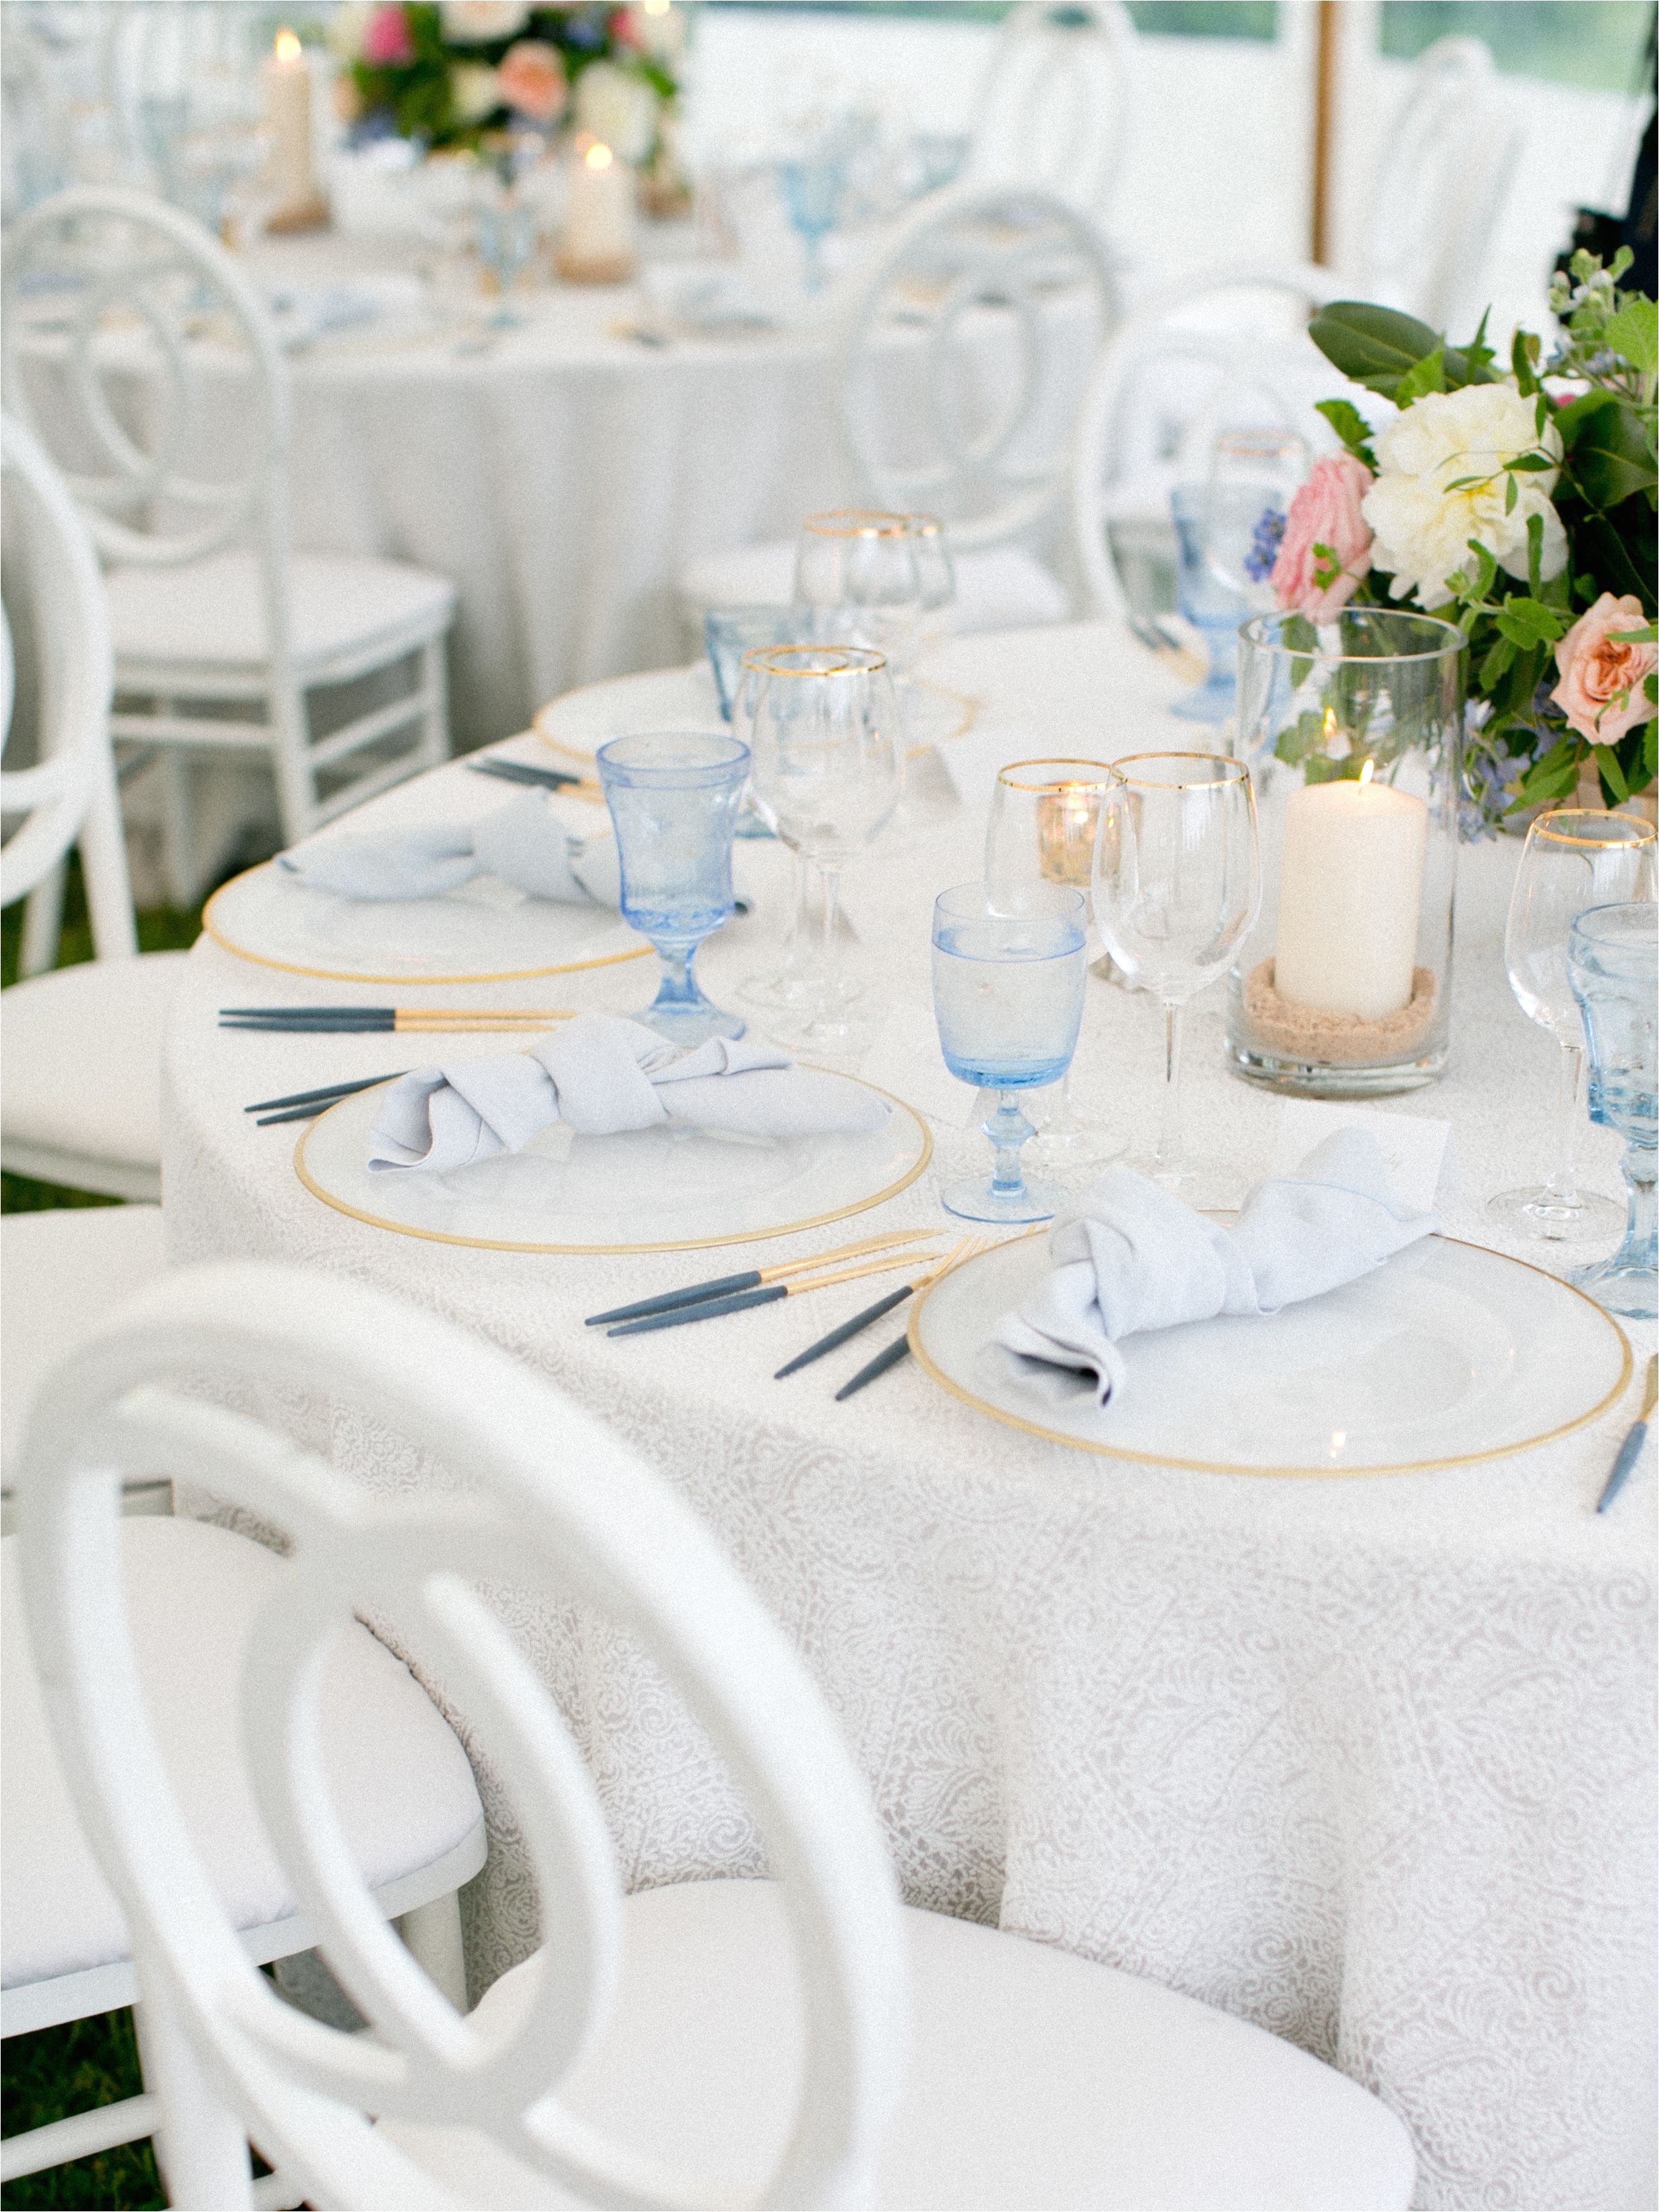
(1645, 834)
(1103, 773)
(1236, 772)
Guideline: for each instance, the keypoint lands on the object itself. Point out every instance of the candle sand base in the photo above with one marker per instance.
(1308, 1033)
(303, 216)
(604, 269)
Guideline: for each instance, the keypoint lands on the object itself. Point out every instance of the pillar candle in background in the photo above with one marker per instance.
(288, 121)
(1350, 884)
(597, 245)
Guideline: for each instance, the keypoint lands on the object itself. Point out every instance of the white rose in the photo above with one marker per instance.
(475, 22)
(619, 108)
(476, 89)
(659, 33)
(1423, 526)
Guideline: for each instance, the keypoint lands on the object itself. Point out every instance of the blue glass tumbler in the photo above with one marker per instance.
(1008, 978)
(1612, 965)
(674, 800)
(730, 632)
(1210, 603)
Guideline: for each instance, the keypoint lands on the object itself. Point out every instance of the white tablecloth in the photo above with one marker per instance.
(1368, 1761)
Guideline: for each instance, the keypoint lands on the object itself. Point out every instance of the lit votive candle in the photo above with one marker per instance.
(1067, 821)
(1351, 881)
(597, 245)
(287, 77)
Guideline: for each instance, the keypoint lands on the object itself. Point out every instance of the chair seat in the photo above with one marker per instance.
(60, 1272)
(1003, 587)
(1036, 2079)
(81, 1077)
(211, 614)
(400, 1779)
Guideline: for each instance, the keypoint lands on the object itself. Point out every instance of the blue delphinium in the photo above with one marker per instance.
(1265, 541)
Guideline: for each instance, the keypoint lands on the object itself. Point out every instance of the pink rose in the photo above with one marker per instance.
(1602, 688)
(1326, 552)
(386, 42)
(532, 81)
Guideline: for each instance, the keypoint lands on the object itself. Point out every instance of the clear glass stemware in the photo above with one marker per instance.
(1255, 471)
(1574, 858)
(858, 582)
(1613, 965)
(1214, 608)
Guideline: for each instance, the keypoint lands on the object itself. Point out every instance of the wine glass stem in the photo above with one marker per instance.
(1007, 1129)
(1641, 1244)
(795, 943)
(831, 939)
(1169, 1148)
(1562, 1184)
(676, 985)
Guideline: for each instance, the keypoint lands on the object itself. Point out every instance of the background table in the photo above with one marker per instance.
(1368, 1760)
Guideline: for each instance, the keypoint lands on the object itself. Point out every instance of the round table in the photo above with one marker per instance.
(1369, 1761)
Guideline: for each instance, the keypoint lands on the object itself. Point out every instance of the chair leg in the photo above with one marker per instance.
(297, 803)
(178, 855)
(435, 682)
(83, 2135)
(199, 2146)
(43, 924)
(433, 1933)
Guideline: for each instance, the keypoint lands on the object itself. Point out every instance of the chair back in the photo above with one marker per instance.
(1058, 99)
(531, 1494)
(957, 366)
(1215, 358)
(70, 795)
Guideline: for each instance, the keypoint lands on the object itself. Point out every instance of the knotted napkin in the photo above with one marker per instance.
(521, 843)
(599, 1075)
(1132, 1257)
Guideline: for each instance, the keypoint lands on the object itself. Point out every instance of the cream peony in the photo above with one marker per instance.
(476, 89)
(475, 22)
(618, 107)
(1423, 527)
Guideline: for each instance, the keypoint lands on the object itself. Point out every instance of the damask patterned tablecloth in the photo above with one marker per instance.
(1368, 1760)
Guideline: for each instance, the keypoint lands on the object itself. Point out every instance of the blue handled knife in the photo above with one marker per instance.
(1631, 1451)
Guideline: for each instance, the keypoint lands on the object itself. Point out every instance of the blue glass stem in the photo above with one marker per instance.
(679, 991)
(1008, 1130)
(1640, 1250)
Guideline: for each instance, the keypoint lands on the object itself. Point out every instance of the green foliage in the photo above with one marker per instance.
(1428, 374)
(1350, 426)
(1381, 349)
(60, 2071)
(1597, 43)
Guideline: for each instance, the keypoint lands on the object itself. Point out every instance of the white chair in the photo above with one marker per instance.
(1228, 346)
(957, 378)
(81, 1079)
(714, 2043)
(223, 637)
(1058, 101)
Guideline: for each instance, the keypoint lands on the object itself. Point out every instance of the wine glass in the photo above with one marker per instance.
(1008, 978)
(508, 226)
(1613, 965)
(812, 187)
(1177, 880)
(1044, 815)
(1254, 473)
(1212, 606)
(858, 582)
(936, 577)
(1574, 858)
(828, 773)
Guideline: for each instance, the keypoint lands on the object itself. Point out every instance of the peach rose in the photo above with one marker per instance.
(1601, 689)
(1326, 552)
(532, 81)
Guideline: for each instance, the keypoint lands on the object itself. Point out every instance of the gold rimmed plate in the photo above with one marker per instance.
(1449, 1354)
(484, 932)
(581, 722)
(667, 1189)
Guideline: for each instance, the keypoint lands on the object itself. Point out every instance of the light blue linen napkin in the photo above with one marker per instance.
(1132, 1257)
(522, 843)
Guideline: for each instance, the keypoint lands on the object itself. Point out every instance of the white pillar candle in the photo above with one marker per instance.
(597, 245)
(287, 120)
(1350, 883)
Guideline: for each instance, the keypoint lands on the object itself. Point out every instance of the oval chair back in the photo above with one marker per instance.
(1056, 108)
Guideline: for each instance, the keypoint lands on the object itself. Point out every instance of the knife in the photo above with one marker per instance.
(1631, 1451)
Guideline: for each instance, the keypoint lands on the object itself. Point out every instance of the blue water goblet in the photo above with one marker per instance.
(811, 192)
(730, 632)
(1613, 965)
(1008, 978)
(1211, 605)
(674, 800)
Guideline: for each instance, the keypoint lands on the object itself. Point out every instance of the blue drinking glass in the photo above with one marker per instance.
(1613, 965)
(674, 801)
(1210, 603)
(811, 192)
(730, 632)
(1008, 978)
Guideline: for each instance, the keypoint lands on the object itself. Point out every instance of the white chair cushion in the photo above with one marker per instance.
(1036, 2079)
(60, 1272)
(213, 611)
(82, 1067)
(1002, 589)
(401, 1781)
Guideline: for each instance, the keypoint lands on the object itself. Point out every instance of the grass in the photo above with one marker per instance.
(59, 2070)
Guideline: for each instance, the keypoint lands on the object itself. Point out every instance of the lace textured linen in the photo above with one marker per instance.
(1369, 1761)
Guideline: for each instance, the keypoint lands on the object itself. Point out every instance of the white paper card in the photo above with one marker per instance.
(1418, 1152)
(905, 1060)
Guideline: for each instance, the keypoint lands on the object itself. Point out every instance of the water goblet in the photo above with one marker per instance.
(1044, 816)
(1177, 880)
(1575, 857)
(1212, 606)
(1255, 471)
(812, 187)
(508, 226)
(1612, 963)
(728, 633)
(1008, 977)
(936, 578)
(858, 582)
(674, 801)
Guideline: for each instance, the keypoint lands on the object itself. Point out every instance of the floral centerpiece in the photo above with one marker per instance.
(1518, 504)
(448, 74)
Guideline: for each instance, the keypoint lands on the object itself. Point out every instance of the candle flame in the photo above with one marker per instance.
(1365, 772)
(287, 48)
(599, 155)
(656, 7)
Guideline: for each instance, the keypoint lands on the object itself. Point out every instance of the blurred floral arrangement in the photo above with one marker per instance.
(449, 74)
(1519, 505)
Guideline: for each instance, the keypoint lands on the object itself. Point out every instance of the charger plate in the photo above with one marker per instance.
(1447, 1354)
(627, 706)
(485, 932)
(646, 1190)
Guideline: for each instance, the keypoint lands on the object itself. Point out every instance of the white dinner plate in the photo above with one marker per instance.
(485, 932)
(626, 705)
(1450, 1352)
(644, 1190)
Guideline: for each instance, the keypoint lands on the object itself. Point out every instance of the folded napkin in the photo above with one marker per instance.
(1132, 1257)
(522, 843)
(599, 1075)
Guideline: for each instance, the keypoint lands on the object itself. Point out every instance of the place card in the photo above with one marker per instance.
(905, 1060)
(1418, 1152)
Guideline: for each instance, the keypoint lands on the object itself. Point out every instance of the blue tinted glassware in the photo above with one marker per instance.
(1008, 978)
(1613, 965)
(1212, 606)
(730, 632)
(674, 800)
(507, 239)
(811, 193)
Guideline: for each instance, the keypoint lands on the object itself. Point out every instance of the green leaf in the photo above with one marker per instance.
(1634, 333)
(1535, 549)
(1532, 464)
(1373, 346)
(1350, 426)
(1511, 493)
(1495, 664)
(1523, 361)
(1607, 452)
(1612, 777)
(1526, 623)
(1426, 375)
